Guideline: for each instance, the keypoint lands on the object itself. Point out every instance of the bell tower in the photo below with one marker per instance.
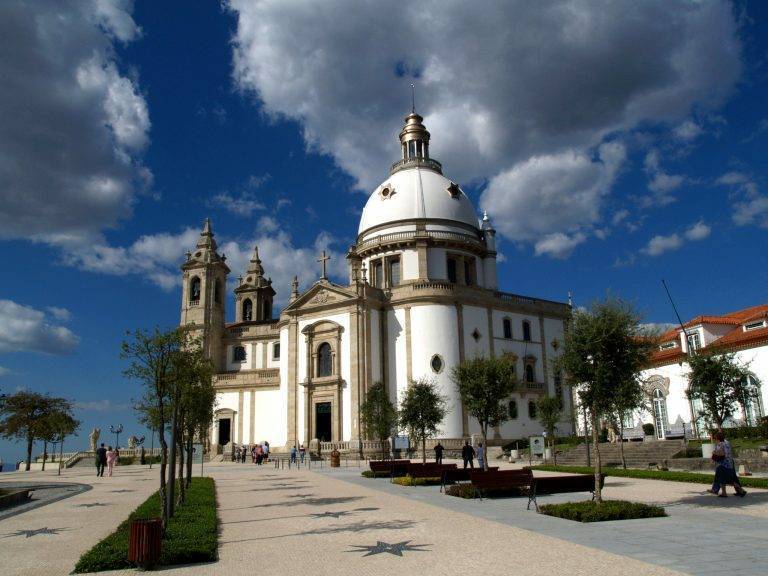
(253, 295)
(204, 282)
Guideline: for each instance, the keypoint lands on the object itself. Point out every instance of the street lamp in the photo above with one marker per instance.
(116, 431)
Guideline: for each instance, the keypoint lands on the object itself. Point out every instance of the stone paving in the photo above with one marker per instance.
(325, 521)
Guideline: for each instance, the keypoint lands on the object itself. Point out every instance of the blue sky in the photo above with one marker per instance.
(612, 146)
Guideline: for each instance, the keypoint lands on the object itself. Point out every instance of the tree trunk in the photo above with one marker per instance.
(45, 453)
(621, 444)
(189, 459)
(30, 442)
(61, 454)
(596, 444)
(484, 432)
(554, 449)
(163, 484)
(182, 483)
(172, 463)
(586, 433)
(423, 447)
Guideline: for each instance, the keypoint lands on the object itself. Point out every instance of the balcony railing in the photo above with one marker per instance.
(428, 163)
(412, 236)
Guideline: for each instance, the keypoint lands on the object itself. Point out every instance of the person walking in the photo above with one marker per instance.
(302, 453)
(101, 460)
(244, 454)
(265, 449)
(234, 452)
(439, 453)
(481, 456)
(725, 471)
(293, 455)
(111, 459)
(468, 455)
(259, 454)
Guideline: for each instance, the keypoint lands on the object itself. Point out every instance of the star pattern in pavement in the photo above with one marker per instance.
(329, 514)
(35, 532)
(395, 549)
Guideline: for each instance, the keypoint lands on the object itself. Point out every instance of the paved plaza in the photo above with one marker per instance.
(333, 521)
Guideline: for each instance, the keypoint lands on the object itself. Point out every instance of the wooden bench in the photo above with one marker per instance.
(564, 484)
(428, 470)
(503, 480)
(391, 468)
(459, 475)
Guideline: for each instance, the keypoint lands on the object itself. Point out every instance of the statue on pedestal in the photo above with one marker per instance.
(93, 438)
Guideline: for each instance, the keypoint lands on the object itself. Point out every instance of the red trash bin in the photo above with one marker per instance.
(145, 542)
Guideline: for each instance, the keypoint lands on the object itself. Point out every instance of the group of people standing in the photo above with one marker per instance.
(106, 457)
(302, 453)
(468, 454)
(259, 453)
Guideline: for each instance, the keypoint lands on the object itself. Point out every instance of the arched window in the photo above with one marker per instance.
(526, 331)
(238, 354)
(324, 360)
(512, 407)
(194, 289)
(247, 310)
(532, 409)
(507, 328)
(530, 375)
(217, 292)
(267, 310)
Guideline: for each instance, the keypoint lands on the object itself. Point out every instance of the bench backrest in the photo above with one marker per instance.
(570, 483)
(456, 474)
(387, 465)
(502, 478)
(429, 470)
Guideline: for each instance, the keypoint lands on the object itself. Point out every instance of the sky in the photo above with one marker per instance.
(612, 144)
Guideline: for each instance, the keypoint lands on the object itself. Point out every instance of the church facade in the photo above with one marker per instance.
(421, 296)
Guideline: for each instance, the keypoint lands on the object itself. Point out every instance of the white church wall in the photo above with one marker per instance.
(410, 263)
(375, 346)
(476, 318)
(270, 422)
(283, 363)
(272, 362)
(397, 371)
(434, 331)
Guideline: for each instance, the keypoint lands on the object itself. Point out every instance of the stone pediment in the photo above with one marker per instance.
(322, 294)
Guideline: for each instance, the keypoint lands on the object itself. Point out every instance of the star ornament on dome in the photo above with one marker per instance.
(454, 190)
(395, 549)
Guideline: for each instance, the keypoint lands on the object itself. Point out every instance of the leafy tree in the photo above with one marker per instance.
(378, 414)
(422, 409)
(57, 424)
(150, 356)
(484, 384)
(549, 410)
(27, 416)
(604, 350)
(720, 383)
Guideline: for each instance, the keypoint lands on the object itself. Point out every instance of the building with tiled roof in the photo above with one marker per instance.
(742, 332)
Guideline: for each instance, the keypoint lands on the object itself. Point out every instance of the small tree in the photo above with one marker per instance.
(549, 411)
(604, 350)
(629, 397)
(484, 384)
(720, 383)
(422, 409)
(378, 414)
(56, 424)
(22, 417)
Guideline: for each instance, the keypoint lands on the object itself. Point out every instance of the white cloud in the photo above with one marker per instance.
(104, 405)
(555, 194)
(661, 183)
(243, 205)
(26, 329)
(157, 257)
(688, 130)
(61, 314)
(4, 371)
(74, 126)
(750, 206)
(660, 244)
(496, 97)
(558, 245)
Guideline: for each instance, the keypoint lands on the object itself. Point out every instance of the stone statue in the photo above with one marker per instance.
(93, 438)
(132, 442)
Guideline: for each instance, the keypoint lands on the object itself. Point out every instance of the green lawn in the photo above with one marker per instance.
(191, 535)
(691, 477)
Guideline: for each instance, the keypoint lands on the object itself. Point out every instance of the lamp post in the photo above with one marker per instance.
(116, 431)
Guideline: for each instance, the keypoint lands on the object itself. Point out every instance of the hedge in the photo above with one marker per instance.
(190, 537)
(409, 481)
(690, 477)
(607, 510)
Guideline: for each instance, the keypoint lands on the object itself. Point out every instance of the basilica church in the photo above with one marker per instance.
(422, 296)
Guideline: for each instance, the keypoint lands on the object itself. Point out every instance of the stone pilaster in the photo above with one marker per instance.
(240, 406)
(292, 380)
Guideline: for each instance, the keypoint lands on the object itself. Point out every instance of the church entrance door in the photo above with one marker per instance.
(225, 431)
(323, 412)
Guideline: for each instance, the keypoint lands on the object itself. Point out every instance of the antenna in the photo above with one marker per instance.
(413, 98)
(679, 320)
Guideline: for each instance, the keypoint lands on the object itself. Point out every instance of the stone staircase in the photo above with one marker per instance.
(637, 454)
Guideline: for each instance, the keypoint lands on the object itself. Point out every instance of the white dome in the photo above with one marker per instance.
(417, 194)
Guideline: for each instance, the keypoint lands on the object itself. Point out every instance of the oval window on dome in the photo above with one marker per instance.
(387, 192)
(437, 364)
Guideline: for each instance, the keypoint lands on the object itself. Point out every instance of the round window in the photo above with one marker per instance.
(437, 364)
(385, 192)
